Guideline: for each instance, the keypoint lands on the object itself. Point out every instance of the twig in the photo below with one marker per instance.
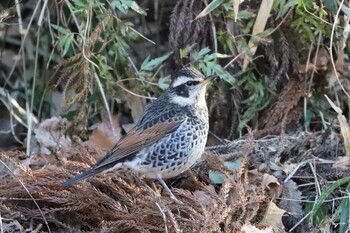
(164, 217)
(298, 223)
(331, 51)
(135, 94)
(30, 117)
(105, 102)
(1, 225)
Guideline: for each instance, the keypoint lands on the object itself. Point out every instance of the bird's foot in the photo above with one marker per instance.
(172, 196)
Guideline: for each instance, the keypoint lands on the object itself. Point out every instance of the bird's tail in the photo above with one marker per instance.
(82, 176)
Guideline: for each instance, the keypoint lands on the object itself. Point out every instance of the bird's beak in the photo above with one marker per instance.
(209, 78)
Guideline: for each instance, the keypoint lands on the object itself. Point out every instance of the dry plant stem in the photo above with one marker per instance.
(298, 223)
(312, 73)
(296, 169)
(135, 94)
(86, 33)
(145, 38)
(233, 60)
(30, 119)
(131, 79)
(163, 215)
(21, 30)
(1, 225)
(73, 16)
(314, 61)
(137, 72)
(331, 51)
(317, 184)
(13, 130)
(99, 84)
(30, 195)
(213, 28)
(305, 98)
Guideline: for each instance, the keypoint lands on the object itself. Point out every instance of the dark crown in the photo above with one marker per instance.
(188, 72)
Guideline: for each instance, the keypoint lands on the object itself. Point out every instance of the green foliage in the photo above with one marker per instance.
(319, 211)
(319, 216)
(210, 7)
(207, 62)
(259, 96)
(149, 65)
(310, 25)
(343, 212)
(125, 5)
(219, 178)
(283, 6)
(95, 40)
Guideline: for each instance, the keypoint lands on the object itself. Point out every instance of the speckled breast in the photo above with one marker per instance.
(176, 152)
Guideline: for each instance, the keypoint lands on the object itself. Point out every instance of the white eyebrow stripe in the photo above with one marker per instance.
(180, 80)
(183, 79)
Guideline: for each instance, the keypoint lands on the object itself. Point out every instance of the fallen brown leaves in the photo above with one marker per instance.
(253, 201)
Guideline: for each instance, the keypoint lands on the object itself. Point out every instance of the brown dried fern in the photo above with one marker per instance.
(76, 74)
(281, 111)
(122, 202)
(184, 30)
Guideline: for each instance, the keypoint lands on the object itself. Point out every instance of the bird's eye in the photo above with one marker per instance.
(191, 83)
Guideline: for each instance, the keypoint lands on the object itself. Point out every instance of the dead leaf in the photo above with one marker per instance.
(103, 137)
(304, 68)
(344, 126)
(51, 133)
(259, 26)
(339, 66)
(248, 228)
(203, 198)
(342, 162)
(273, 218)
(236, 8)
(272, 184)
(254, 176)
(136, 104)
(322, 59)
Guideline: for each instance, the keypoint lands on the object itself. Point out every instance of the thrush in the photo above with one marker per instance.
(169, 137)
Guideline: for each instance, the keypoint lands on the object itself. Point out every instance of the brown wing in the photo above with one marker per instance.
(137, 139)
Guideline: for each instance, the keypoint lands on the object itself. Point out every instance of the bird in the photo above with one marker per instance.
(169, 137)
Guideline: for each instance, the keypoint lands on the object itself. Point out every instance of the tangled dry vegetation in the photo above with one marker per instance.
(277, 158)
(243, 201)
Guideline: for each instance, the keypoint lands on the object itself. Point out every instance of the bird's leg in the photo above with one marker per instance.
(172, 196)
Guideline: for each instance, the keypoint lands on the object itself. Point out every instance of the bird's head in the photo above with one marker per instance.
(188, 87)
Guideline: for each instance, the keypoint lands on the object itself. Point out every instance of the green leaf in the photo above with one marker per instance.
(64, 42)
(149, 65)
(163, 82)
(201, 53)
(212, 6)
(344, 212)
(245, 14)
(135, 7)
(118, 5)
(218, 177)
(183, 53)
(60, 29)
(320, 201)
(265, 33)
(317, 217)
(216, 55)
